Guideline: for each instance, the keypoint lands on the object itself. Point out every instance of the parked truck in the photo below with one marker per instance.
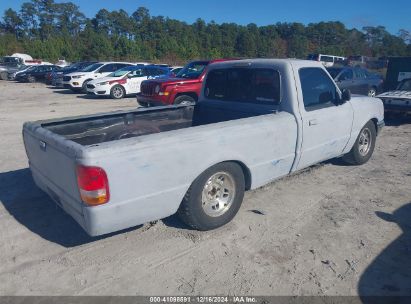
(184, 88)
(255, 121)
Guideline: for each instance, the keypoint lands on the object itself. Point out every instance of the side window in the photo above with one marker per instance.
(148, 72)
(260, 86)
(136, 73)
(317, 88)
(346, 75)
(120, 66)
(160, 72)
(107, 68)
(359, 73)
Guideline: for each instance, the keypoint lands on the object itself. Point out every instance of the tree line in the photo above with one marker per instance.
(48, 30)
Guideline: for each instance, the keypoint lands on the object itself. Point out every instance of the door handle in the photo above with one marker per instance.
(313, 122)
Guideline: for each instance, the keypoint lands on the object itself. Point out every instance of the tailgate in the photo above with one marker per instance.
(52, 160)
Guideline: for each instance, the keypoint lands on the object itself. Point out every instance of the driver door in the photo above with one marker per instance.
(326, 122)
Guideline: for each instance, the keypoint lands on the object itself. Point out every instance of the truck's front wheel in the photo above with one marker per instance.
(214, 197)
(363, 146)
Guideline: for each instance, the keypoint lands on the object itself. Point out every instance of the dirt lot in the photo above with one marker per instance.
(330, 230)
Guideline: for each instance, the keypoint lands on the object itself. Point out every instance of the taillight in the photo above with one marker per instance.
(93, 185)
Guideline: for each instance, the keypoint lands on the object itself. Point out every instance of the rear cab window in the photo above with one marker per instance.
(246, 85)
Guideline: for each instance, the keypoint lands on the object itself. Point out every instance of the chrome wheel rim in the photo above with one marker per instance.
(364, 142)
(218, 194)
(117, 92)
(371, 93)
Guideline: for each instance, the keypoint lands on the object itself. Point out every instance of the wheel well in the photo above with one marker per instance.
(375, 121)
(87, 80)
(191, 94)
(246, 172)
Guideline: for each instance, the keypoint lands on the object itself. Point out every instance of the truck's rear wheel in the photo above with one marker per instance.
(363, 146)
(117, 92)
(214, 197)
(184, 100)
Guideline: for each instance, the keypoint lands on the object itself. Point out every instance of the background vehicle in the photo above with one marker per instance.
(358, 80)
(12, 72)
(17, 61)
(77, 81)
(125, 81)
(57, 76)
(12, 63)
(327, 60)
(398, 100)
(256, 121)
(38, 73)
(399, 68)
(62, 63)
(184, 88)
(357, 61)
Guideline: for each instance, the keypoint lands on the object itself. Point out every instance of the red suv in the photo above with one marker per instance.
(184, 88)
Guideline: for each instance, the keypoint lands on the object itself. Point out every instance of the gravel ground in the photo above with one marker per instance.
(329, 230)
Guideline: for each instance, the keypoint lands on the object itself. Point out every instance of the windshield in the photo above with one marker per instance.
(31, 68)
(334, 72)
(192, 70)
(23, 67)
(405, 85)
(92, 67)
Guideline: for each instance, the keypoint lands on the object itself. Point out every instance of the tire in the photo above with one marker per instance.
(31, 79)
(117, 92)
(184, 100)
(200, 208)
(84, 86)
(363, 146)
(372, 92)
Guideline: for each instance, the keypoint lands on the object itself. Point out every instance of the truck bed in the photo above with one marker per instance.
(90, 130)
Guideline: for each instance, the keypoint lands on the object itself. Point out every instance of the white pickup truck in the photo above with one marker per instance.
(256, 121)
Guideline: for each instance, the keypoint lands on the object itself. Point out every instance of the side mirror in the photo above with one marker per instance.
(345, 95)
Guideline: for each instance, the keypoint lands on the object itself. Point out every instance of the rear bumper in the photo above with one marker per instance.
(111, 217)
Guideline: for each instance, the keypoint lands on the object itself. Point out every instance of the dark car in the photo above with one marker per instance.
(357, 80)
(36, 74)
(56, 77)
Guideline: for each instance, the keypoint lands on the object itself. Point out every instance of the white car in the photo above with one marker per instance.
(77, 81)
(125, 81)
